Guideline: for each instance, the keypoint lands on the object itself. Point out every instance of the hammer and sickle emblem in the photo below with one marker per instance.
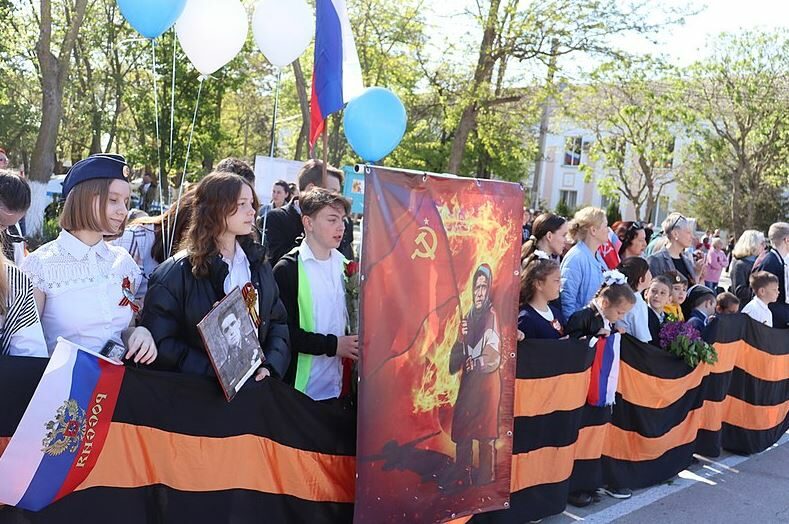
(426, 248)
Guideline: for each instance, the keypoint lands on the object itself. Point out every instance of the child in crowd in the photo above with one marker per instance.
(541, 282)
(658, 296)
(727, 304)
(700, 306)
(679, 292)
(765, 292)
(716, 260)
(636, 321)
(613, 301)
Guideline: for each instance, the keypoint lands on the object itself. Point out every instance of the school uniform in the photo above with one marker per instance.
(759, 311)
(541, 324)
(655, 322)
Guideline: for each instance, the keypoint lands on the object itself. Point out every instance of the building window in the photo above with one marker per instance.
(568, 198)
(573, 147)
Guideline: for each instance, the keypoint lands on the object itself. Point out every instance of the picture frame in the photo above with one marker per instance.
(231, 341)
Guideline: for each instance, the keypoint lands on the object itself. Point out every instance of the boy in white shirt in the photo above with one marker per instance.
(765, 290)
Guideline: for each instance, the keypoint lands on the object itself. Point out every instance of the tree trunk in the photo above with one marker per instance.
(54, 73)
(304, 105)
(482, 77)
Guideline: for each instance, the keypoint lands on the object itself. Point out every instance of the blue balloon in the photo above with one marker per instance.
(375, 123)
(151, 18)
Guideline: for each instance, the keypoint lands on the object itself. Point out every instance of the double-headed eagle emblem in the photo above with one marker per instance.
(65, 433)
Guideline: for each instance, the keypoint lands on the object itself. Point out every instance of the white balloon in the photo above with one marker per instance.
(283, 29)
(212, 32)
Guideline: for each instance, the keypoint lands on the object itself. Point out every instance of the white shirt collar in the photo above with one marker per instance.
(760, 303)
(305, 253)
(79, 250)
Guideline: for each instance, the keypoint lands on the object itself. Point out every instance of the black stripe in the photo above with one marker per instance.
(652, 360)
(731, 328)
(529, 504)
(166, 505)
(19, 377)
(551, 358)
(194, 405)
(756, 391)
(748, 441)
(655, 422)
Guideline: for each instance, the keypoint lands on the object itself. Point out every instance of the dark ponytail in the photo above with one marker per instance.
(543, 224)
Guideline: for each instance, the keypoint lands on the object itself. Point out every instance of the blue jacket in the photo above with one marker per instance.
(582, 275)
(697, 320)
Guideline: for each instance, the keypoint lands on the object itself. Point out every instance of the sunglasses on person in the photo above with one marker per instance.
(676, 221)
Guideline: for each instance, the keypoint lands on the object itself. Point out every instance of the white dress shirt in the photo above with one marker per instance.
(327, 284)
(636, 321)
(84, 290)
(758, 310)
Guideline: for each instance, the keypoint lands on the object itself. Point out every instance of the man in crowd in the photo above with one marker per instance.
(239, 167)
(241, 350)
(776, 261)
(149, 192)
(3, 159)
(284, 229)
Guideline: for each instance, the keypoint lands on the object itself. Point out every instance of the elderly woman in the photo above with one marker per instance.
(679, 235)
(749, 246)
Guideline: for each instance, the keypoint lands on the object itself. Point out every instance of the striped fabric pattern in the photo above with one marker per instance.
(22, 312)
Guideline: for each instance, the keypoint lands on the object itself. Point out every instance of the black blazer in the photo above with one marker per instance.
(176, 301)
(654, 327)
(284, 231)
(773, 262)
(586, 322)
(286, 273)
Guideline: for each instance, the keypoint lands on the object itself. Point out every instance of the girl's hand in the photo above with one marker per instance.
(604, 332)
(261, 374)
(141, 346)
(521, 336)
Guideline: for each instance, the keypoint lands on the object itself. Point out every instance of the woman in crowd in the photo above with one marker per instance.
(634, 239)
(20, 327)
(582, 268)
(540, 284)
(280, 195)
(748, 247)
(147, 239)
(548, 234)
(220, 253)
(716, 261)
(679, 234)
(82, 284)
(14, 202)
(636, 321)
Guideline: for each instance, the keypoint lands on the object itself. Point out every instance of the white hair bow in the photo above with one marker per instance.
(542, 255)
(614, 277)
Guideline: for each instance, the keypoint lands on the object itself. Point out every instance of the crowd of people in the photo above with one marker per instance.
(149, 280)
(584, 279)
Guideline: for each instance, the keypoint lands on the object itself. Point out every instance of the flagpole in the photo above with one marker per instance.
(325, 152)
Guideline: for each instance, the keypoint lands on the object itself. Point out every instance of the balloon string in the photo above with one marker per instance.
(186, 164)
(156, 119)
(276, 107)
(172, 98)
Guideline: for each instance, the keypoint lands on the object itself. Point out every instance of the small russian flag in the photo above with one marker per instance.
(63, 429)
(605, 371)
(337, 75)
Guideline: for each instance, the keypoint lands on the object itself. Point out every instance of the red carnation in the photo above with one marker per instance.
(351, 268)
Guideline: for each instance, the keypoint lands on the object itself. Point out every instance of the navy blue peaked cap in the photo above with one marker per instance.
(93, 167)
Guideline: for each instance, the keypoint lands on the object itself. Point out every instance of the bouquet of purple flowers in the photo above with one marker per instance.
(684, 341)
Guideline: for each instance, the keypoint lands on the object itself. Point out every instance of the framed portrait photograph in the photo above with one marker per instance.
(231, 340)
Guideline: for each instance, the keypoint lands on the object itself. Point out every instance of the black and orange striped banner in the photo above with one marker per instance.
(176, 451)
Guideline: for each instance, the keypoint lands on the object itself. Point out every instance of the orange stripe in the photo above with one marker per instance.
(642, 389)
(539, 396)
(747, 416)
(4, 444)
(135, 456)
(761, 364)
(630, 445)
(551, 464)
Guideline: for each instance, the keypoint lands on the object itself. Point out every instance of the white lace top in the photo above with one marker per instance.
(84, 290)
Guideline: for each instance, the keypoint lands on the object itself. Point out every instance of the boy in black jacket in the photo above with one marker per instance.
(657, 296)
(312, 288)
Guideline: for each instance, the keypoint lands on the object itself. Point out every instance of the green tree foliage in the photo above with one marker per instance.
(738, 174)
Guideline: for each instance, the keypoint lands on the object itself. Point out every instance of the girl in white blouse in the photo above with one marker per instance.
(84, 287)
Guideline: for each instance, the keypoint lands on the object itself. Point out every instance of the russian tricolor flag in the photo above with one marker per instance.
(605, 370)
(337, 75)
(63, 429)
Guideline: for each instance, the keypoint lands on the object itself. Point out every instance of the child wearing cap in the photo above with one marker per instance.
(700, 306)
(83, 286)
(679, 292)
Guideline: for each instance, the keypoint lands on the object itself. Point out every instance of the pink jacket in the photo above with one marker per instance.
(716, 261)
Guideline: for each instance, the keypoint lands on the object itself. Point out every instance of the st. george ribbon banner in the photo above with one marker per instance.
(439, 304)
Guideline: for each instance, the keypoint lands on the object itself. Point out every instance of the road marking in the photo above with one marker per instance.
(719, 472)
(574, 517)
(710, 461)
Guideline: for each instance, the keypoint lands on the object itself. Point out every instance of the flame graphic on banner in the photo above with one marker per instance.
(482, 237)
